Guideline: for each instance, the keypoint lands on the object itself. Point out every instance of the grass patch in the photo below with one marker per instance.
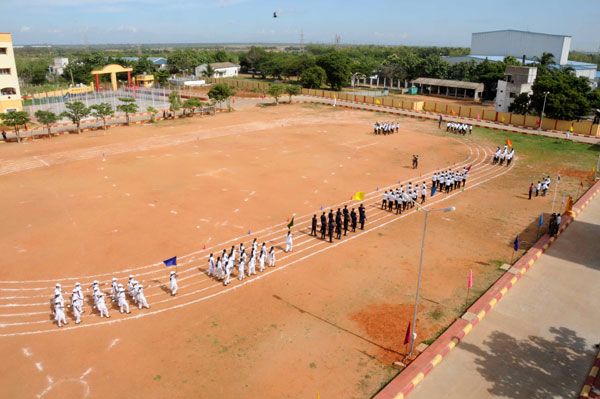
(312, 365)
(544, 149)
(437, 313)
(157, 377)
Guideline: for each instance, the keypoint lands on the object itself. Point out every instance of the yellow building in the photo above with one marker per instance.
(10, 93)
(144, 80)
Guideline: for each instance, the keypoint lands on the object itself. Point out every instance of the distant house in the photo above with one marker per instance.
(220, 69)
(58, 66)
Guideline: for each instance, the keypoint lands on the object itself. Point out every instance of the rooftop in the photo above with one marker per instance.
(522, 31)
(220, 65)
(449, 83)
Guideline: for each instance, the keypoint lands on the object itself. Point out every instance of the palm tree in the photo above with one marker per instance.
(208, 72)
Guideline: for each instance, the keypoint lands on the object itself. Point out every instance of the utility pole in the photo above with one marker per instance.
(543, 109)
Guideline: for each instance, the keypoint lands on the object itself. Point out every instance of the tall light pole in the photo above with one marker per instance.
(543, 109)
(417, 294)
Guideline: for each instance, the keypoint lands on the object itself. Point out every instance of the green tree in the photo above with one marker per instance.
(545, 60)
(174, 102)
(251, 60)
(221, 92)
(129, 107)
(337, 69)
(46, 118)
(208, 72)
(185, 60)
(76, 111)
(292, 90)
(568, 96)
(521, 104)
(275, 91)
(16, 119)
(102, 111)
(191, 104)
(434, 67)
(143, 65)
(313, 77)
(161, 76)
(153, 111)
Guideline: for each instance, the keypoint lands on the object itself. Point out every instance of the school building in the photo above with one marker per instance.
(10, 93)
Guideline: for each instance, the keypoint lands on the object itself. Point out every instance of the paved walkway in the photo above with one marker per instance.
(474, 122)
(538, 342)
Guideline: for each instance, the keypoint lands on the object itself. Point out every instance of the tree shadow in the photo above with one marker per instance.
(536, 367)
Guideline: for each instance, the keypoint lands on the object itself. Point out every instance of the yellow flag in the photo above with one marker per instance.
(377, 101)
(359, 196)
(571, 129)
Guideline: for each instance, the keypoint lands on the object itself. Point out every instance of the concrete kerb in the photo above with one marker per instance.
(416, 371)
(591, 379)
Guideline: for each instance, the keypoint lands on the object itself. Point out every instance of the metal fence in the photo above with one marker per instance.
(145, 97)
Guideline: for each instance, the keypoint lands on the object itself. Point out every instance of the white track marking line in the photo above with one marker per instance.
(369, 195)
(194, 267)
(258, 277)
(465, 162)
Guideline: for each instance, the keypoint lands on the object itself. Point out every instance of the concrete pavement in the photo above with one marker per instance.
(538, 342)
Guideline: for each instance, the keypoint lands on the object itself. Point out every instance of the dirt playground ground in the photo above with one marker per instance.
(329, 319)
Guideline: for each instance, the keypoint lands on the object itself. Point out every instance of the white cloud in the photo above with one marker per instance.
(25, 28)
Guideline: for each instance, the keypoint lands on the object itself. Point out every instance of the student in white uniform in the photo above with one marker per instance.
(289, 241)
(114, 289)
(262, 257)
(141, 298)
(123, 304)
(242, 266)
(272, 257)
(173, 282)
(76, 303)
(252, 263)
(101, 305)
(59, 312)
(228, 270)
(219, 269)
(211, 265)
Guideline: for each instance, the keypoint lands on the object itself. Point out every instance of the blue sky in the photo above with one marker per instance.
(431, 22)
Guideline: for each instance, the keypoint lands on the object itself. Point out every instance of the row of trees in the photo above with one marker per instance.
(76, 111)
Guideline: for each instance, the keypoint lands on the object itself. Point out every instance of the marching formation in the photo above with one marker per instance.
(118, 297)
(459, 128)
(502, 155)
(385, 127)
(223, 267)
(246, 263)
(343, 220)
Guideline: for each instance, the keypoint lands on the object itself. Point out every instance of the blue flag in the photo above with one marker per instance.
(432, 191)
(171, 261)
(541, 221)
(516, 244)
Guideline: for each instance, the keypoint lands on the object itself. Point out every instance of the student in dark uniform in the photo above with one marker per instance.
(338, 229)
(346, 214)
(330, 217)
(323, 226)
(353, 218)
(330, 227)
(362, 216)
(338, 217)
(313, 228)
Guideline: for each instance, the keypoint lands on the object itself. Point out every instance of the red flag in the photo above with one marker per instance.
(470, 282)
(407, 335)
(508, 142)
(468, 168)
